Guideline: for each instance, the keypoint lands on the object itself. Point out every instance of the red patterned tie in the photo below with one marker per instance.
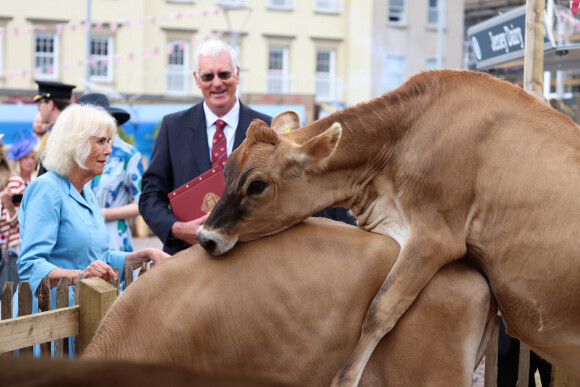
(219, 150)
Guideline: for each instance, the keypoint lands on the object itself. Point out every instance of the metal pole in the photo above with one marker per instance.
(440, 31)
(88, 48)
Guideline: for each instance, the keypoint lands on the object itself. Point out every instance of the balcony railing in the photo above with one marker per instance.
(177, 81)
(232, 3)
(328, 6)
(281, 4)
(279, 84)
(328, 89)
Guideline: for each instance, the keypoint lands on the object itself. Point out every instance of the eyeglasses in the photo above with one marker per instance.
(223, 75)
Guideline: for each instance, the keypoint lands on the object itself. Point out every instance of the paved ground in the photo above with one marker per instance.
(141, 243)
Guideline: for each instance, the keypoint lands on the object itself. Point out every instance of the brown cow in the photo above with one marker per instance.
(449, 164)
(288, 308)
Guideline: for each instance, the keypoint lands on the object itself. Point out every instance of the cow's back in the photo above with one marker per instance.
(290, 307)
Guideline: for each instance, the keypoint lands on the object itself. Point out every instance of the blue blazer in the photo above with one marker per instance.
(180, 154)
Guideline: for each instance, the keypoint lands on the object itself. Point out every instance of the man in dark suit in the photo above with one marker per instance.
(182, 148)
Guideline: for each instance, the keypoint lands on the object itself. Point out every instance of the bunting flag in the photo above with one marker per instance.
(574, 8)
(113, 25)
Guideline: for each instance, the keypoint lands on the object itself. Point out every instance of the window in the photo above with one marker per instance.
(395, 72)
(326, 85)
(45, 56)
(277, 80)
(177, 77)
(397, 12)
(328, 6)
(233, 3)
(431, 64)
(1, 54)
(101, 62)
(281, 4)
(432, 13)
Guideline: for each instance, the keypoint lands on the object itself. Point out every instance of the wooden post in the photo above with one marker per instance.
(96, 297)
(128, 276)
(534, 46)
(7, 294)
(25, 306)
(491, 354)
(524, 365)
(76, 297)
(62, 295)
(44, 305)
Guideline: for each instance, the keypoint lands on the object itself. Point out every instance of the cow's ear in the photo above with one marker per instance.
(314, 154)
(286, 121)
(259, 131)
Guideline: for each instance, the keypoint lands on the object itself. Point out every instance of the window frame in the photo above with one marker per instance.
(182, 70)
(109, 57)
(402, 13)
(390, 72)
(287, 5)
(433, 10)
(55, 56)
(328, 6)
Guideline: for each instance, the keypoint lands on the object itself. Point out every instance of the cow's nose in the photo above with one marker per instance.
(207, 243)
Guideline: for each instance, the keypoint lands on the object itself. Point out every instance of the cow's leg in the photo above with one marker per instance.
(419, 260)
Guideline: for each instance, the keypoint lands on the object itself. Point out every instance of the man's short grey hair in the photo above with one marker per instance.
(213, 48)
(69, 139)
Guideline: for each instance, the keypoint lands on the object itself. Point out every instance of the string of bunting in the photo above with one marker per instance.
(118, 58)
(113, 24)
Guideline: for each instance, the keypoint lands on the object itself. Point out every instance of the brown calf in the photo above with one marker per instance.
(451, 164)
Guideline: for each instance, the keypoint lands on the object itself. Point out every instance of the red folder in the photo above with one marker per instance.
(197, 197)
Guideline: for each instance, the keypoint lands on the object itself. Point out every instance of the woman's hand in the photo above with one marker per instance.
(136, 258)
(100, 269)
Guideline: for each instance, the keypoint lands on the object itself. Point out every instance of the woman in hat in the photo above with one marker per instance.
(23, 160)
(118, 188)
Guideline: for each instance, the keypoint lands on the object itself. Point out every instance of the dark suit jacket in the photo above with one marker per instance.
(180, 154)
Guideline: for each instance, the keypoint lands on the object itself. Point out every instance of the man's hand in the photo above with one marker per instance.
(186, 230)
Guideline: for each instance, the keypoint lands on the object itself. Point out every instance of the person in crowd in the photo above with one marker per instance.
(5, 170)
(23, 160)
(52, 99)
(185, 139)
(119, 187)
(8, 271)
(62, 231)
(39, 129)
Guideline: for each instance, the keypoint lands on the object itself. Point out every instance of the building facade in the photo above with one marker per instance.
(314, 52)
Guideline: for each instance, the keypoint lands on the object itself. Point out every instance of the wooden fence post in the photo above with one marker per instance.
(25, 306)
(491, 353)
(7, 294)
(128, 276)
(62, 296)
(96, 296)
(44, 305)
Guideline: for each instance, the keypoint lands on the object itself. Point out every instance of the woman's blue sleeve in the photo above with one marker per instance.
(39, 219)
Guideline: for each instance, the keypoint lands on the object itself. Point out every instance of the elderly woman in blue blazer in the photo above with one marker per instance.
(62, 231)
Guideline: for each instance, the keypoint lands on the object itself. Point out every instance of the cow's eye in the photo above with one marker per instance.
(256, 187)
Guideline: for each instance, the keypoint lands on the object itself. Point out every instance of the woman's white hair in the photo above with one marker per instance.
(213, 48)
(69, 140)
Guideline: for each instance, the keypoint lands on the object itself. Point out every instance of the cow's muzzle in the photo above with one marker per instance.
(213, 242)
